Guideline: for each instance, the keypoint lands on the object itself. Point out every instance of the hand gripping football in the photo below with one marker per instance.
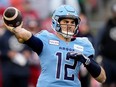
(12, 17)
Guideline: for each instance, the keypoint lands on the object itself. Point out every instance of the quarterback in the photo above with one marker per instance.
(60, 54)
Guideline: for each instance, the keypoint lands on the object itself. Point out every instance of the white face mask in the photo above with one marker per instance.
(67, 34)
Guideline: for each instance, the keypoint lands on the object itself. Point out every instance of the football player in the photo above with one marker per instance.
(60, 54)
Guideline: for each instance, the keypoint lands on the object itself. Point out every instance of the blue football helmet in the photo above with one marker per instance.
(65, 11)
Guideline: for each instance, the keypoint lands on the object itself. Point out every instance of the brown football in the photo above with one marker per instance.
(12, 17)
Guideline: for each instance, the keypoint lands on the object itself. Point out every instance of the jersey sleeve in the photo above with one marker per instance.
(42, 35)
(88, 48)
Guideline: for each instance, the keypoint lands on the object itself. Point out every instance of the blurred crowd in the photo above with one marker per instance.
(20, 66)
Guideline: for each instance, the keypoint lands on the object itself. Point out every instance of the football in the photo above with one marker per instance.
(12, 17)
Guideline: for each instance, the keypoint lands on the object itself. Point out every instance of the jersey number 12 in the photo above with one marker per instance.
(66, 67)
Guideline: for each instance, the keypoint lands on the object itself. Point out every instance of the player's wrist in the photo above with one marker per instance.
(87, 62)
(84, 59)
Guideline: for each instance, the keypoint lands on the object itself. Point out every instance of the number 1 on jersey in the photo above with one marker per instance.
(58, 65)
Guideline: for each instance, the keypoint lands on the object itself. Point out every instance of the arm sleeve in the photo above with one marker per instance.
(35, 43)
(93, 68)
